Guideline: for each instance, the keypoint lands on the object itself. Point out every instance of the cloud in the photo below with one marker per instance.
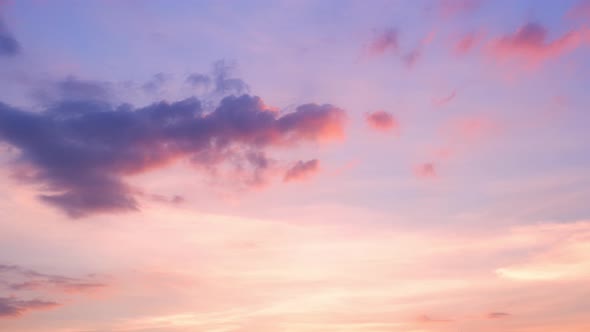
(17, 278)
(73, 89)
(471, 128)
(198, 80)
(425, 170)
(11, 307)
(497, 315)
(384, 41)
(302, 170)
(81, 151)
(155, 84)
(531, 44)
(444, 100)
(411, 58)
(224, 82)
(466, 43)
(9, 46)
(220, 82)
(581, 10)
(381, 121)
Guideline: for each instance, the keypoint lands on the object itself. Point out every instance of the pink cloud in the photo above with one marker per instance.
(411, 58)
(497, 315)
(425, 170)
(579, 11)
(467, 42)
(385, 41)
(302, 170)
(11, 307)
(382, 121)
(471, 128)
(531, 44)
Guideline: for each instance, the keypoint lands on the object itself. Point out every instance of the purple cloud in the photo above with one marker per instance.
(11, 307)
(9, 46)
(80, 151)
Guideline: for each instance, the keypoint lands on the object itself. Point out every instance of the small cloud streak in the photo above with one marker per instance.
(497, 315)
(25, 280)
(302, 170)
(444, 100)
(382, 121)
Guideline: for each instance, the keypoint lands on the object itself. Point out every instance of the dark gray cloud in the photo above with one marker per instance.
(80, 151)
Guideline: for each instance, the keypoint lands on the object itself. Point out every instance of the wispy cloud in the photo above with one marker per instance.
(11, 307)
(532, 45)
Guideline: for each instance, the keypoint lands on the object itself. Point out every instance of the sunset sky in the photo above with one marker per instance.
(295, 166)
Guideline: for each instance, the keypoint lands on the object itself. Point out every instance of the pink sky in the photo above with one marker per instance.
(294, 166)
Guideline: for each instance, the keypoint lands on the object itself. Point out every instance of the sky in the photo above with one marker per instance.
(294, 166)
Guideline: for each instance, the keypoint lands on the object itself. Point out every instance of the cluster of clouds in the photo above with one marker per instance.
(15, 279)
(81, 145)
(83, 142)
(81, 150)
(529, 45)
